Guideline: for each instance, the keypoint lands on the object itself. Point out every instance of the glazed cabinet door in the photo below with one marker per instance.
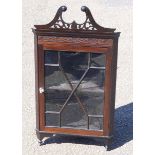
(74, 89)
(71, 90)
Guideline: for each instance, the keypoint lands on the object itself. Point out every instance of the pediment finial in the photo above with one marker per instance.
(88, 25)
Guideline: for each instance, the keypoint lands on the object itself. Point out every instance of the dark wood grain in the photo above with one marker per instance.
(113, 85)
(74, 131)
(76, 44)
(41, 85)
(107, 96)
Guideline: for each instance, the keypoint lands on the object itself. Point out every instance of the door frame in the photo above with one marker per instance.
(107, 50)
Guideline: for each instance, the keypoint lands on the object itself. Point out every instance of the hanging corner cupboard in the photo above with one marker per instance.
(75, 74)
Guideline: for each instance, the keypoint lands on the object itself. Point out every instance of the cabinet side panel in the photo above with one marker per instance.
(113, 85)
(107, 98)
(110, 90)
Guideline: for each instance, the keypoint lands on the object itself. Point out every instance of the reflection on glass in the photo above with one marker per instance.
(91, 90)
(97, 60)
(74, 65)
(51, 57)
(74, 89)
(52, 119)
(73, 116)
(56, 89)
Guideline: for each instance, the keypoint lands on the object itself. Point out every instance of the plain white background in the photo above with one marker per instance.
(11, 78)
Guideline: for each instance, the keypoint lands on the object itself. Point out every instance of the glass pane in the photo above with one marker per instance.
(57, 88)
(98, 60)
(91, 91)
(74, 65)
(51, 57)
(73, 116)
(54, 102)
(52, 119)
(95, 123)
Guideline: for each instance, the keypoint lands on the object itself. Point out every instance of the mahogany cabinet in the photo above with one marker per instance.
(75, 73)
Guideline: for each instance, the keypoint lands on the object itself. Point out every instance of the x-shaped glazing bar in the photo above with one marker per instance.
(70, 84)
(73, 89)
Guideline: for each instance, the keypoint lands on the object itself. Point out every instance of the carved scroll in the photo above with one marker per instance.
(88, 25)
